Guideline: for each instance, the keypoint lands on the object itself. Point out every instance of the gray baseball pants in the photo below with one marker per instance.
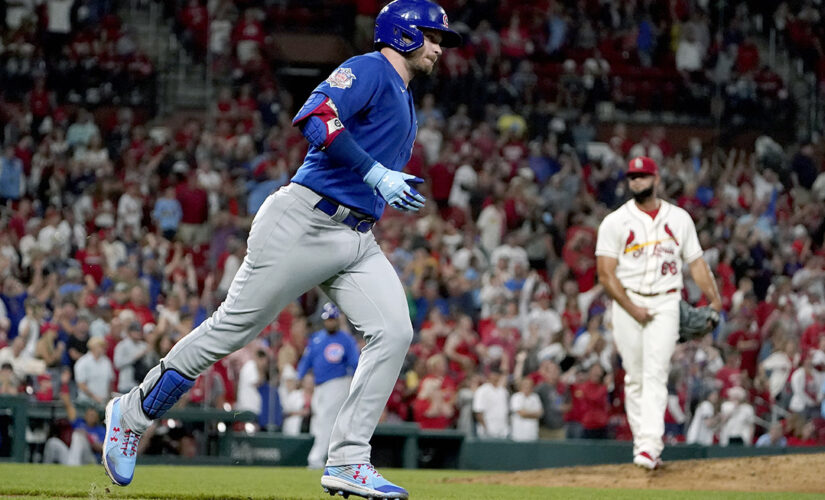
(327, 400)
(291, 248)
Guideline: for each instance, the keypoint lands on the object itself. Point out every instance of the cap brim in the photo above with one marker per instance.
(450, 39)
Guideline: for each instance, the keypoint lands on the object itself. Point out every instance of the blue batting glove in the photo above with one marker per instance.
(395, 187)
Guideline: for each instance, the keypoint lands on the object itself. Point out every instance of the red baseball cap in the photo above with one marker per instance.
(642, 165)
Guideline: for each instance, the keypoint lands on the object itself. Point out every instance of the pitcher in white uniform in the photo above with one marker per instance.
(640, 252)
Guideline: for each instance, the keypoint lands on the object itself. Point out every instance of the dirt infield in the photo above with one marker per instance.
(788, 473)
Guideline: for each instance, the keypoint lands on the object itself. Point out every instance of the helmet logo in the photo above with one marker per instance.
(341, 78)
(444, 20)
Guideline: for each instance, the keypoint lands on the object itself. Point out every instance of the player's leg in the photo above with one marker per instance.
(285, 257)
(326, 403)
(371, 296)
(80, 451)
(55, 451)
(660, 337)
(272, 273)
(317, 456)
(627, 334)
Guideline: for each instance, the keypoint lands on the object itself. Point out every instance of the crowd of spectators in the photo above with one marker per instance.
(687, 56)
(237, 37)
(56, 54)
(119, 237)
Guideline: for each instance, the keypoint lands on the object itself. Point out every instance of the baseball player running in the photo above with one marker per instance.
(332, 355)
(640, 250)
(360, 123)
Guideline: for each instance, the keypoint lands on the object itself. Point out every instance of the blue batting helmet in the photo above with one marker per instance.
(399, 24)
(330, 311)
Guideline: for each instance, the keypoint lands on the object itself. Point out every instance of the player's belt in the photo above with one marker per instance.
(344, 215)
(672, 290)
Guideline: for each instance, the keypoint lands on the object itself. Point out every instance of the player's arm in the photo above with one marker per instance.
(531, 413)
(701, 274)
(480, 419)
(81, 378)
(478, 409)
(82, 387)
(606, 267)
(71, 411)
(318, 120)
(303, 364)
(526, 410)
(699, 269)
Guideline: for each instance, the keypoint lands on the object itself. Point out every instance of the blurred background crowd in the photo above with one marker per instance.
(122, 227)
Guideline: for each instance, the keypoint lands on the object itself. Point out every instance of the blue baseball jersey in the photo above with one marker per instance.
(376, 107)
(329, 355)
(96, 433)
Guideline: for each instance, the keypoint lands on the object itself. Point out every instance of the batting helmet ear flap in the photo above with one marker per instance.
(398, 35)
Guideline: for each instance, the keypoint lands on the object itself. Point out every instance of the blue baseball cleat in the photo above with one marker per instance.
(119, 447)
(361, 480)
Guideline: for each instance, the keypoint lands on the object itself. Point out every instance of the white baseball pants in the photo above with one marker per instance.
(646, 351)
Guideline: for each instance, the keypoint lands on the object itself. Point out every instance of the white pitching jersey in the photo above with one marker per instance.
(651, 252)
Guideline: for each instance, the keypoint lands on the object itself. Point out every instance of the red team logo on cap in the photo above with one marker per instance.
(642, 165)
(444, 20)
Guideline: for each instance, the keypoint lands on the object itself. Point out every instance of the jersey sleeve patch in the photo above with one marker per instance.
(354, 83)
(334, 125)
(341, 78)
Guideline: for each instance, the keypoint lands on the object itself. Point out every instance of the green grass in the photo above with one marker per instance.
(30, 481)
